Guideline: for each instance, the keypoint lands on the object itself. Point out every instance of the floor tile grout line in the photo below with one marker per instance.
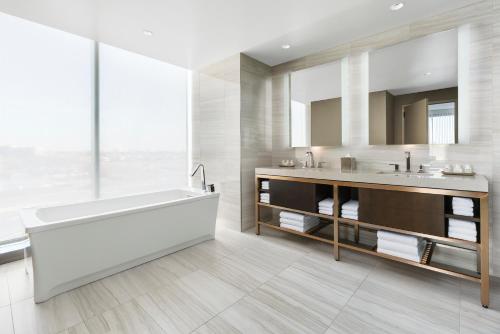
(247, 294)
(352, 295)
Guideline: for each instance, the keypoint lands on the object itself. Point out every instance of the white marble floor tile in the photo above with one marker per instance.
(128, 318)
(92, 299)
(20, 283)
(4, 289)
(77, 329)
(401, 300)
(53, 316)
(211, 292)
(6, 326)
(251, 316)
(475, 319)
(174, 309)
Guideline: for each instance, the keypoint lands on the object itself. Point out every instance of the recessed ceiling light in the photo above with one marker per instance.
(396, 6)
(148, 33)
(286, 46)
(427, 74)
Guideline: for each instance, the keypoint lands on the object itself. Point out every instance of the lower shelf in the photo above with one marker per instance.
(311, 234)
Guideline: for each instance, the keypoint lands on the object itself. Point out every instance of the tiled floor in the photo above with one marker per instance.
(241, 283)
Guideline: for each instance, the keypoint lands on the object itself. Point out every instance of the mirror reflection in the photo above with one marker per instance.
(316, 106)
(414, 91)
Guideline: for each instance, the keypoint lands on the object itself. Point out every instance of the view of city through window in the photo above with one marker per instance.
(46, 113)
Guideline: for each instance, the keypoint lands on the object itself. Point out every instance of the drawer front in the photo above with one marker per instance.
(294, 195)
(423, 213)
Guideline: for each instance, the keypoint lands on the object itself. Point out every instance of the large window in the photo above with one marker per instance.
(45, 109)
(50, 133)
(143, 123)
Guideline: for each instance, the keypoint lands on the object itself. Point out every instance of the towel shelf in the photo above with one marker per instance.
(424, 213)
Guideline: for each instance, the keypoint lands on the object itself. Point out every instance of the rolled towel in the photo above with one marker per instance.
(462, 202)
(327, 202)
(461, 236)
(397, 237)
(351, 205)
(294, 222)
(403, 255)
(410, 250)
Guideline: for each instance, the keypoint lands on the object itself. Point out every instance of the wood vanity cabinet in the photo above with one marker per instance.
(416, 212)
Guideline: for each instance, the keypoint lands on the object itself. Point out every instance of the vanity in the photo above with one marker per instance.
(406, 203)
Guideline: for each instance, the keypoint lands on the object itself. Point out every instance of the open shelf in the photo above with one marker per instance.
(308, 234)
(468, 218)
(297, 211)
(464, 243)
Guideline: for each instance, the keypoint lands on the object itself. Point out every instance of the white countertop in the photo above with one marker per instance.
(428, 180)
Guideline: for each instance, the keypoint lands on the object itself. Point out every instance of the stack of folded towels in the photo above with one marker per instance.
(264, 198)
(400, 245)
(462, 229)
(350, 209)
(326, 206)
(462, 206)
(297, 222)
(264, 185)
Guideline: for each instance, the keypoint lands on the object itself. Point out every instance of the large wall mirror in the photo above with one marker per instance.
(414, 91)
(316, 106)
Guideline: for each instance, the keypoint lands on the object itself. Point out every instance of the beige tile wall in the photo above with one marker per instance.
(231, 122)
(483, 90)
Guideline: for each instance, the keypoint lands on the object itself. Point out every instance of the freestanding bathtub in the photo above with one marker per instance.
(76, 244)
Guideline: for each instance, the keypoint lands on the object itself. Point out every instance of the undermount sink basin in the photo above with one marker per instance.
(409, 174)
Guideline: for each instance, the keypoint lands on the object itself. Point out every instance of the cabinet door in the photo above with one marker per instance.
(423, 213)
(294, 195)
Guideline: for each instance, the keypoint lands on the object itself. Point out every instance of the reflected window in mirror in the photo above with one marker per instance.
(316, 106)
(414, 91)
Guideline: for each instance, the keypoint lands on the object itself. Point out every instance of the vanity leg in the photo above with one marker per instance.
(356, 232)
(478, 259)
(257, 228)
(485, 238)
(336, 251)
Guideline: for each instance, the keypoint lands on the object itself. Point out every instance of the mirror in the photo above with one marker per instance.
(414, 91)
(316, 106)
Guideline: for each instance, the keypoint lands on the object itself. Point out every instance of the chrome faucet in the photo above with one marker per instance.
(408, 160)
(309, 160)
(203, 183)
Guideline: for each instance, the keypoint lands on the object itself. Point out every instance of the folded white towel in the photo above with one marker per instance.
(326, 212)
(351, 205)
(326, 201)
(462, 202)
(350, 212)
(297, 216)
(397, 237)
(452, 222)
(296, 228)
(463, 212)
(263, 200)
(353, 217)
(401, 255)
(460, 230)
(325, 207)
(294, 222)
(264, 185)
(462, 236)
(394, 246)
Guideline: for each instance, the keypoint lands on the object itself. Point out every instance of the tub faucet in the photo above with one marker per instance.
(408, 160)
(203, 183)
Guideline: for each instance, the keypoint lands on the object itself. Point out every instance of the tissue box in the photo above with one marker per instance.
(347, 164)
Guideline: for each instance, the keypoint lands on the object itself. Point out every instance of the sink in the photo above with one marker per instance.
(410, 174)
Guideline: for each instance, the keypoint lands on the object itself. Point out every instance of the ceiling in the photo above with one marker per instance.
(421, 64)
(193, 33)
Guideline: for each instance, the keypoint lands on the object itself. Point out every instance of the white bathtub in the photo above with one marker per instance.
(76, 244)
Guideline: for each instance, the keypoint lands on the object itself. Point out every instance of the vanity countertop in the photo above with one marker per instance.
(428, 180)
